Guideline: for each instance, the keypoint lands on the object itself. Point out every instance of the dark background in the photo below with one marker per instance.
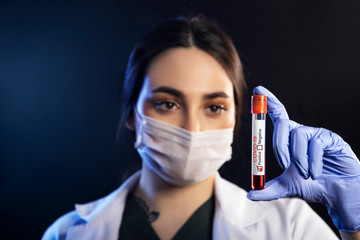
(60, 71)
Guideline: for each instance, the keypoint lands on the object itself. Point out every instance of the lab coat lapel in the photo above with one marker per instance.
(234, 213)
(103, 217)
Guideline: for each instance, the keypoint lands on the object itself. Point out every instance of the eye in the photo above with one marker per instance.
(215, 109)
(166, 106)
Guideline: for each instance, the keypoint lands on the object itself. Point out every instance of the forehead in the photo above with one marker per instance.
(188, 70)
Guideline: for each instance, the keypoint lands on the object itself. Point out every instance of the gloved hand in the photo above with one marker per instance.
(319, 167)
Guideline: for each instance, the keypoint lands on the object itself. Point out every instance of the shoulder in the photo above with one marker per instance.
(285, 218)
(60, 227)
(293, 218)
(91, 214)
(101, 216)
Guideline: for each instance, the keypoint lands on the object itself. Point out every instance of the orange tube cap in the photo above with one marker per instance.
(258, 104)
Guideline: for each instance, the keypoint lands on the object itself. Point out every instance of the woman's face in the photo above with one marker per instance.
(188, 88)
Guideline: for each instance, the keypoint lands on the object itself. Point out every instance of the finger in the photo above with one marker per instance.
(274, 189)
(300, 138)
(329, 153)
(316, 152)
(281, 141)
(276, 109)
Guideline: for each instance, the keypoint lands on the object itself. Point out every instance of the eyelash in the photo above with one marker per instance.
(219, 107)
(166, 103)
(169, 105)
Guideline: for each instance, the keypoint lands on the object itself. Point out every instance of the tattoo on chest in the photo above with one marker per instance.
(152, 215)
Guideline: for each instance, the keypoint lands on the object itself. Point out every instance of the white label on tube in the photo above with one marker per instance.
(258, 147)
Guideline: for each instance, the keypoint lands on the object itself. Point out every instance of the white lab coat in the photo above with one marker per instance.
(235, 217)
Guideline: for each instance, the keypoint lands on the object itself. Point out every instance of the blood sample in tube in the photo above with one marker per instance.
(258, 112)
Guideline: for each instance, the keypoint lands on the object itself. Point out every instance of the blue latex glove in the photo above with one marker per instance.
(319, 167)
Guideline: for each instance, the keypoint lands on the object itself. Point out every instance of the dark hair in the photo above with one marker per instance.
(193, 31)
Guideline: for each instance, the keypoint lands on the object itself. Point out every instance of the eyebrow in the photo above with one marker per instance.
(177, 93)
(169, 90)
(216, 95)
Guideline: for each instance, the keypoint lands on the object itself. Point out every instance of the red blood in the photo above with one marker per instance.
(258, 182)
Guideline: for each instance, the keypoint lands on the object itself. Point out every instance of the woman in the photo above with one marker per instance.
(183, 95)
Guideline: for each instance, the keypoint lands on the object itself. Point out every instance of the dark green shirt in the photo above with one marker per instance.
(136, 223)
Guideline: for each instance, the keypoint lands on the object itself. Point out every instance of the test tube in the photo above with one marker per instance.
(258, 112)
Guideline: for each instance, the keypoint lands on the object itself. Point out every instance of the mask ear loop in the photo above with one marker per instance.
(139, 132)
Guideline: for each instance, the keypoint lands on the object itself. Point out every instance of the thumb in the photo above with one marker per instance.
(274, 189)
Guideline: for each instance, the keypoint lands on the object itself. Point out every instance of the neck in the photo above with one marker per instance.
(173, 204)
(159, 194)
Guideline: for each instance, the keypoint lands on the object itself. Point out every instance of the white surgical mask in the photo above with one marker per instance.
(178, 156)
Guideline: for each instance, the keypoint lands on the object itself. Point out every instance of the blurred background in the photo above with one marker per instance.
(61, 64)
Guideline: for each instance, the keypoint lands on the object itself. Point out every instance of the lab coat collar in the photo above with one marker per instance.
(97, 208)
(103, 216)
